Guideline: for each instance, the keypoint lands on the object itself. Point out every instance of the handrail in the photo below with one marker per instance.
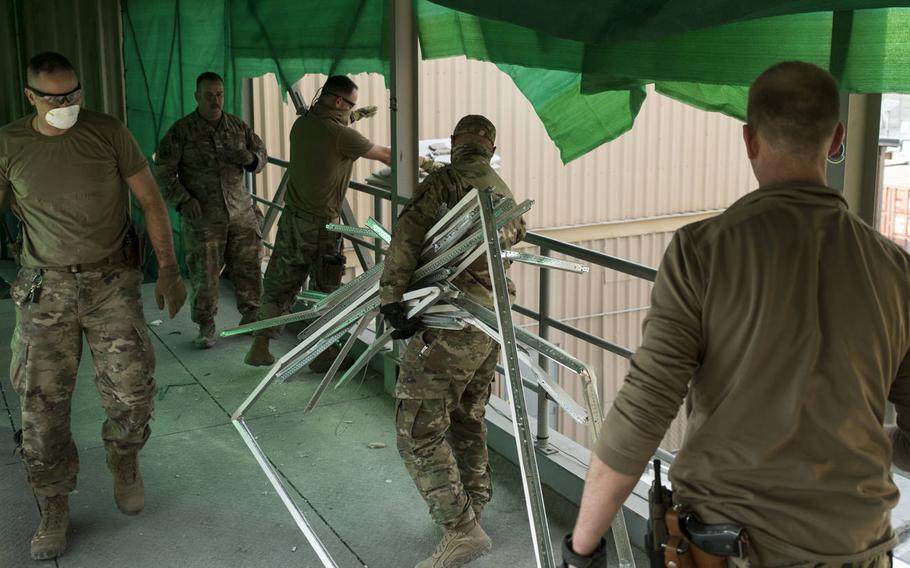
(547, 246)
(593, 256)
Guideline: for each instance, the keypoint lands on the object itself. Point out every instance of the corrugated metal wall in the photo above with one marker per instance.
(604, 303)
(87, 32)
(677, 159)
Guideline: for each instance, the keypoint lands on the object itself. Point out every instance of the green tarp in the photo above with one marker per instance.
(583, 65)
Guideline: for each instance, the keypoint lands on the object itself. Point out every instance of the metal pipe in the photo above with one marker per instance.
(575, 332)
(543, 304)
(594, 257)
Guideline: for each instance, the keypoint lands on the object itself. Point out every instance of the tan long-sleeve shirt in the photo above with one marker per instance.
(786, 320)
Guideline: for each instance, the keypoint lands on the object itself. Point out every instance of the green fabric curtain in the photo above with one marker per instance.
(583, 64)
(607, 21)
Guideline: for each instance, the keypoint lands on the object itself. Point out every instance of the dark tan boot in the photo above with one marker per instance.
(459, 546)
(129, 490)
(259, 355)
(249, 317)
(206, 337)
(49, 540)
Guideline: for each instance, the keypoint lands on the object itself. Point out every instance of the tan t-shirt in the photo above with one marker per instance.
(786, 321)
(69, 189)
(323, 151)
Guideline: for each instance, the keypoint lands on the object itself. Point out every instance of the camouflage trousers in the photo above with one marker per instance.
(106, 307)
(882, 560)
(237, 247)
(304, 251)
(442, 391)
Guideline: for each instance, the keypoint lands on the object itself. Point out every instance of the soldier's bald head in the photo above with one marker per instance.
(795, 107)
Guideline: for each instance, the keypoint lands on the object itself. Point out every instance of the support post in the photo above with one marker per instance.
(404, 101)
(543, 305)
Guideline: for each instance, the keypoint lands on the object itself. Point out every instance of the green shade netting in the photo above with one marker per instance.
(585, 89)
(607, 21)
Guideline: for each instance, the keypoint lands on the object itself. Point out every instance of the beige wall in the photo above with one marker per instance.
(625, 198)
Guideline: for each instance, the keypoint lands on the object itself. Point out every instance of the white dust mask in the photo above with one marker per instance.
(62, 118)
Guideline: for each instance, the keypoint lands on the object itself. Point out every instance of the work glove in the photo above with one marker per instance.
(397, 316)
(191, 209)
(170, 289)
(427, 164)
(571, 559)
(363, 112)
(240, 156)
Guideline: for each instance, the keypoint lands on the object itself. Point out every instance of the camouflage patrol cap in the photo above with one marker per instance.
(478, 125)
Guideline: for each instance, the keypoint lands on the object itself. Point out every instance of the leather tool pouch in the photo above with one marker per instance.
(689, 542)
(680, 552)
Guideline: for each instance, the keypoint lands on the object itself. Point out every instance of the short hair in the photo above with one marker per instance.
(339, 85)
(208, 76)
(48, 62)
(795, 106)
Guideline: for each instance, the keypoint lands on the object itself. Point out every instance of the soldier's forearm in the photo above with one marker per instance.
(159, 229)
(605, 491)
(157, 222)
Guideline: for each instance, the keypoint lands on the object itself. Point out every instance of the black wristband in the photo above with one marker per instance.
(597, 559)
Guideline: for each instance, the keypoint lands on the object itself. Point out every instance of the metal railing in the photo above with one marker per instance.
(547, 245)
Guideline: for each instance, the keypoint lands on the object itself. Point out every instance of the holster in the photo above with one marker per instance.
(680, 552)
(333, 266)
(134, 248)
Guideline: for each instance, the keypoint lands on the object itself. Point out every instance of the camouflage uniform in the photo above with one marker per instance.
(106, 306)
(323, 151)
(304, 251)
(75, 227)
(190, 165)
(445, 377)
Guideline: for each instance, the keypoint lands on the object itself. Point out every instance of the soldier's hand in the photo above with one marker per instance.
(363, 112)
(169, 290)
(397, 316)
(191, 209)
(427, 164)
(571, 559)
(240, 156)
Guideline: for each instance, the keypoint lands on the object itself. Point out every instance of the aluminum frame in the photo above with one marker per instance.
(356, 304)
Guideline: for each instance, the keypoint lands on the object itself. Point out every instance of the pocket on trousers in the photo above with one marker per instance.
(20, 286)
(19, 366)
(421, 375)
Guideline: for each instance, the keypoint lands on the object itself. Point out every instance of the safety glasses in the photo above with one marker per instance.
(69, 98)
(345, 99)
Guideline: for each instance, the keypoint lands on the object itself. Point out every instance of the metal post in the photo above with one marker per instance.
(543, 305)
(404, 101)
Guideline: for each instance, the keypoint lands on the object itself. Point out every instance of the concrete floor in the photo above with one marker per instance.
(207, 502)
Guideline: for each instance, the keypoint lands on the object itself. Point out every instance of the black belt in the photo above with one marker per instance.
(118, 258)
(310, 217)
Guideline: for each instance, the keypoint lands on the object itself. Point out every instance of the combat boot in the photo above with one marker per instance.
(459, 546)
(324, 360)
(259, 355)
(49, 540)
(206, 337)
(129, 490)
(249, 317)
